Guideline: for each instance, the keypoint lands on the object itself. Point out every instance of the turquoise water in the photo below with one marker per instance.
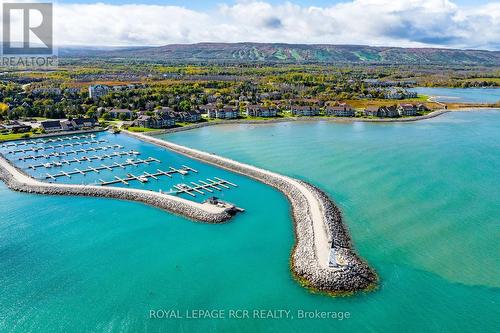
(420, 199)
(461, 95)
(121, 143)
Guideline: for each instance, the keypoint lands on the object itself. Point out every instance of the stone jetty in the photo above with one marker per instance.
(321, 236)
(17, 180)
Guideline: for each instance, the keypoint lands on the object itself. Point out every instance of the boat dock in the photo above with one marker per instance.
(69, 152)
(209, 186)
(144, 178)
(61, 162)
(53, 147)
(110, 167)
(41, 141)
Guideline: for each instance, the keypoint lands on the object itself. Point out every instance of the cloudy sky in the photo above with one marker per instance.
(438, 23)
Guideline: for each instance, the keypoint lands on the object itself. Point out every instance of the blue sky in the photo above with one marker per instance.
(409, 23)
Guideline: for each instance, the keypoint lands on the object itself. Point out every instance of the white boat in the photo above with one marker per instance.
(48, 165)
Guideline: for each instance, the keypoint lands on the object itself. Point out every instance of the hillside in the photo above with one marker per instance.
(300, 53)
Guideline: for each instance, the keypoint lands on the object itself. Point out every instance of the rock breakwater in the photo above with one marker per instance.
(17, 180)
(320, 232)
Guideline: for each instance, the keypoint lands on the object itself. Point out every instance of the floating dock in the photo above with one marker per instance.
(41, 141)
(209, 186)
(144, 178)
(61, 162)
(69, 152)
(53, 147)
(100, 168)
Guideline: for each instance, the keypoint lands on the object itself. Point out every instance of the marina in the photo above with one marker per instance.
(129, 162)
(54, 147)
(201, 186)
(58, 160)
(144, 178)
(44, 141)
(83, 159)
(69, 152)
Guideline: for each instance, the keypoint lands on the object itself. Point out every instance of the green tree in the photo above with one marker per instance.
(106, 116)
(184, 106)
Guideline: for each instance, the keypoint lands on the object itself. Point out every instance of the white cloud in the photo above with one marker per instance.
(373, 22)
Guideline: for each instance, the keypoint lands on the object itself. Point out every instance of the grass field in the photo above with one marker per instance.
(363, 103)
(14, 136)
(141, 129)
(484, 79)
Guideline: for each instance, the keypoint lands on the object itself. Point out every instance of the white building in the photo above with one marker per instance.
(407, 110)
(306, 111)
(97, 91)
(340, 110)
(260, 111)
(227, 112)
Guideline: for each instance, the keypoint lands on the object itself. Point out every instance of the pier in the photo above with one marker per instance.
(53, 147)
(209, 186)
(129, 162)
(144, 178)
(41, 141)
(83, 159)
(69, 152)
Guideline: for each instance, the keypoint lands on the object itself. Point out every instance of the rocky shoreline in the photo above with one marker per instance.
(17, 180)
(318, 227)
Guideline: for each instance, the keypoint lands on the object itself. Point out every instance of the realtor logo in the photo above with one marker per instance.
(27, 29)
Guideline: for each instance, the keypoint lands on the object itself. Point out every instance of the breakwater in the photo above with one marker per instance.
(318, 226)
(17, 180)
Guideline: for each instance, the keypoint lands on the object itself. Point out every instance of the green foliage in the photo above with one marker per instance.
(140, 129)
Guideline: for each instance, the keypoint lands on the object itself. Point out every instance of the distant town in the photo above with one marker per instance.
(141, 98)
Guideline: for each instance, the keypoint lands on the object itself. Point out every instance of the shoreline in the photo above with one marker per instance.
(48, 135)
(294, 119)
(318, 225)
(431, 115)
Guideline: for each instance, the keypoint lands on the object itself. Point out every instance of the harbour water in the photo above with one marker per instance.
(461, 95)
(84, 160)
(420, 200)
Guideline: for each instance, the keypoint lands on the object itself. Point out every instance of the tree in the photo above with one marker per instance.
(184, 106)
(91, 113)
(106, 116)
(122, 116)
(4, 110)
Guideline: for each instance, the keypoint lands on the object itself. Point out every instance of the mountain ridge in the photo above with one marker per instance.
(247, 52)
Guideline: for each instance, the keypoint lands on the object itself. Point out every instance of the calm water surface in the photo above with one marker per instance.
(421, 200)
(461, 95)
